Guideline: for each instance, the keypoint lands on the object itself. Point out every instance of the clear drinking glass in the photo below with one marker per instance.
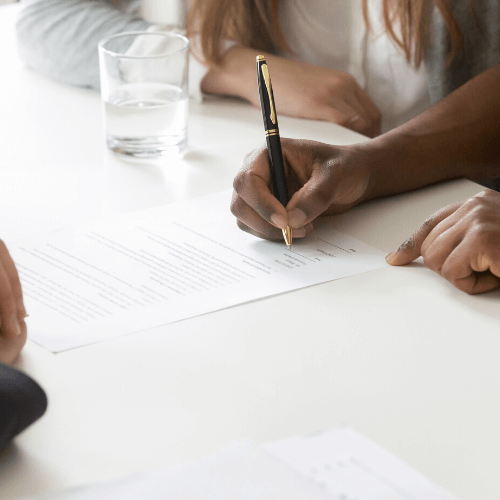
(144, 88)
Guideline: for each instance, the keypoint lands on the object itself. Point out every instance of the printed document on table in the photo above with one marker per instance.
(348, 466)
(157, 266)
(243, 471)
(335, 465)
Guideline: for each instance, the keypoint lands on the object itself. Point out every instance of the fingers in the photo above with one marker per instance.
(462, 272)
(251, 189)
(348, 113)
(411, 249)
(352, 108)
(9, 303)
(251, 222)
(372, 111)
(334, 186)
(325, 180)
(13, 276)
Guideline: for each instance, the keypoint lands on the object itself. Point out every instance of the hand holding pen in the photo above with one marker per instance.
(319, 178)
(276, 163)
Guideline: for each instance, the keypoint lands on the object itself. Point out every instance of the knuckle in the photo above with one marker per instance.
(240, 181)
(448, 273)
(345, 79)
(466, 286)
(429, 262)
(485, 235)
(342, 120)
(322, 197)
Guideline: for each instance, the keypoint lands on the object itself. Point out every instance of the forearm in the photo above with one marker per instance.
(235, 75)
(59, 37)
(457, 137)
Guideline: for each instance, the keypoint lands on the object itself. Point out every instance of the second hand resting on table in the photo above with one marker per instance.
(12, 311)
(458, 137)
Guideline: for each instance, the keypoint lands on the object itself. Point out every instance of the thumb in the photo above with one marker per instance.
(411, 248)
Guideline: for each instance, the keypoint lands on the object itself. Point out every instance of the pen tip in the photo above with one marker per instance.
(287, 236)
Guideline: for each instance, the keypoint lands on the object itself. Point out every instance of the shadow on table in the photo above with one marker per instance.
(487, 304)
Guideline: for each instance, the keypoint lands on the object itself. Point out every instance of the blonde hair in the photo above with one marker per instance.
(255, 24)
(251, 23)
(413, 18)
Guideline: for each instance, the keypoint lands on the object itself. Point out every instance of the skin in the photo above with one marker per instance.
(300, 89)
(12, 312)
(458, 137)
(460, 242)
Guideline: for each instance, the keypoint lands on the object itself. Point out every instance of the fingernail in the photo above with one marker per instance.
(278, 221)
(296, 218)
(299, 233)
(354, 119)
(390, 257)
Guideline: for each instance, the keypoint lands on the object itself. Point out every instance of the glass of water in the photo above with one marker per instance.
(144, 79)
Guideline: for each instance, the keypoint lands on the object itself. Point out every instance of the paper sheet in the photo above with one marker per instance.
(348, 466)
(241, 472)
(336, 465)
(166, 264)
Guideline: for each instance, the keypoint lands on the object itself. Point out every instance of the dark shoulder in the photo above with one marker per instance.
(22, 401)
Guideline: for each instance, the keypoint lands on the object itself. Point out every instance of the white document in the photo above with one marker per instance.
(335, 465)
(241, 472)
(161, 265)
(348, 466)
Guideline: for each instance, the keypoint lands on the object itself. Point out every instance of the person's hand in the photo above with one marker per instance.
(460, 242)
(300, 89)
(318, 93)
(12, 311)
(322, 180)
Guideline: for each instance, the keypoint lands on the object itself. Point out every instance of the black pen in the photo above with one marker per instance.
(270, 117)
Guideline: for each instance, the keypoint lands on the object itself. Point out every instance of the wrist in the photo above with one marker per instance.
(374, 157)
(235, 75)
(403, 160)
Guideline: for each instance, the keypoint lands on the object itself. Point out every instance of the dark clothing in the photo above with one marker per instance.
(481, 30)
(22, 401)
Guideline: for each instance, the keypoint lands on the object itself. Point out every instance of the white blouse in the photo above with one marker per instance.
(332, 33)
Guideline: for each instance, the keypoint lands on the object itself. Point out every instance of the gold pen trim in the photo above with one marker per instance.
(261, 58)
(287, 235)
(267, 80)
(269, 134)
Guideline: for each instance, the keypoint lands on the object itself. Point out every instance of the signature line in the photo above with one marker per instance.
(340, 248)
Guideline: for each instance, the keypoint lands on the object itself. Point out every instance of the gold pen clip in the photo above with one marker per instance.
(267, 79)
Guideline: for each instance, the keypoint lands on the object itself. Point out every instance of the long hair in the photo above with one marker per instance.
(255, 24)
(251, 23)
(408, 23)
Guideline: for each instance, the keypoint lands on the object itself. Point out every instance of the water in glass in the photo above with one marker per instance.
(146, 119)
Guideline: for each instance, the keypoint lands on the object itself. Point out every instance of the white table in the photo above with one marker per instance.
(398, 353)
